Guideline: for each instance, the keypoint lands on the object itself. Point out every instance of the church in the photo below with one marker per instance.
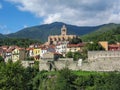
(55, 39)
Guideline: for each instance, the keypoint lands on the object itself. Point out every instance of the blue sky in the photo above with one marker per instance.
(12, 19)
(17, 14)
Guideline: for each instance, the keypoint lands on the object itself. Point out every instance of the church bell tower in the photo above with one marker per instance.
(63, 30)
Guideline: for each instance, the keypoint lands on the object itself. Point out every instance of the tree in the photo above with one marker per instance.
(1, 59)
(94, 46)
(22, 42)
(111, 41)
(65, 80)
(75, 40)
(69, 55)
(77, 56)
(13, 76)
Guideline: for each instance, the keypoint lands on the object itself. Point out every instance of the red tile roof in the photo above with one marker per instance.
(114, 47)
(29, 49)
(76, 45)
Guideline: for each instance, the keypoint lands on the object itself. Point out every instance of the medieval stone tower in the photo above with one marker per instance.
(63, 30)
(55, 39)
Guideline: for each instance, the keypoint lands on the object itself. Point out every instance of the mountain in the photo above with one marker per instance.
(2, 36)
(87, 33)
(41, 32)
(109, 32)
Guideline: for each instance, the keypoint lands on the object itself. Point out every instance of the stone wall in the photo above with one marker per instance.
(102, 65)
(59, 64)
(102, 61)
(43, 65)
(95, 55)
(27, 63)
(97, 61)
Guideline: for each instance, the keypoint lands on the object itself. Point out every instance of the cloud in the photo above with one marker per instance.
(25, 26)
(4, 29)
(0, 5)
(78, 12)
(3, 26)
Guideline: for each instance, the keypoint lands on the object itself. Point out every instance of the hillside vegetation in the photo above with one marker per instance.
(16, 77)
(41, 32)
(109, 33)
(22, 42)
(87, 33)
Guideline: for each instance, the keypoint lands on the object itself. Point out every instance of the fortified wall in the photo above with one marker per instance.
(102, 65)
(103, 55)
(102, 61)
(97, 61)
(59, 64)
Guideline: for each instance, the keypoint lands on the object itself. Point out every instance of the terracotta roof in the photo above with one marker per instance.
(29, 49)
(51, 46)
(11, 48)
(76, 45)
(58, 44)
(114, 45)
(43, 48)
(1, 50)
(21, 48)
(57, 53)
(34, 45)
(4, 47)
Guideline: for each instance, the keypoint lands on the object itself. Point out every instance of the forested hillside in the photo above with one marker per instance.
(109, 33)
(87, 33)
(17, 41)
(41, 32)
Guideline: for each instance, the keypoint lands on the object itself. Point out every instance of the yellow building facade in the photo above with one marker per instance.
(37, 53)
(15, 54)
(104, 44)
(75, 47)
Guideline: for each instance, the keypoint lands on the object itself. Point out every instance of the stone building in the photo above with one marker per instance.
(75, 47)
(55, 39)
(62, 48)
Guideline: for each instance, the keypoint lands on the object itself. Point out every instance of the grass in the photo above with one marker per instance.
(78, 73)
(86, 73)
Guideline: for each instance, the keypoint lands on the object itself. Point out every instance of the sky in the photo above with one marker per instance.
(18, 14)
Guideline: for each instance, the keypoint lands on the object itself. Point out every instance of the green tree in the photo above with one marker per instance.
(77, 56)
(69, 55)
(13, 77)
(94, 46)
(75, 40)
(65, 80)
(111, 41)
(1, 59)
